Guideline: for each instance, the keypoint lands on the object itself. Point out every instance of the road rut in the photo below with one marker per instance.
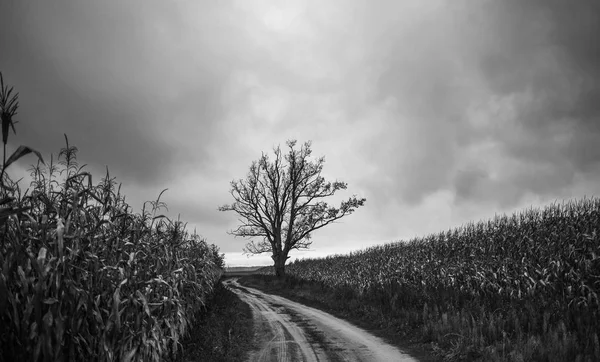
(290, 331)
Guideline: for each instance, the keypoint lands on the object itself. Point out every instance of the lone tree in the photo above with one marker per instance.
(281, 202)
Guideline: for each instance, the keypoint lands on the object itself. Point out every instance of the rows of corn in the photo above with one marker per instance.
(530, 280)
(83, 277)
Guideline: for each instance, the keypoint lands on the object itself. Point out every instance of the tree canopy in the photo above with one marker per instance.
(281, 202)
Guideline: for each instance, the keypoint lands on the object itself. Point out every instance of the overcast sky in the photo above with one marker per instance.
(437, 112)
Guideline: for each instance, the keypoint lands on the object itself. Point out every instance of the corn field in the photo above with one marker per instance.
(531, 278)
(82, 276)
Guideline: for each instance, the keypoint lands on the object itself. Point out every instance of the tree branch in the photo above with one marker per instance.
(281, 202)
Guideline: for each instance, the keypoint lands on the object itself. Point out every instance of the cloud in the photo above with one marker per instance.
(136, 82)
(519, 76)
(541, 61)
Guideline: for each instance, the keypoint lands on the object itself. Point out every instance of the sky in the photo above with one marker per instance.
(436, 112)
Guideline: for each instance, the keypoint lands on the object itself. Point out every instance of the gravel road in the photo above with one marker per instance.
(290, 331)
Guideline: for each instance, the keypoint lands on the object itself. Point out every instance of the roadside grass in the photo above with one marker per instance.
(223, 333)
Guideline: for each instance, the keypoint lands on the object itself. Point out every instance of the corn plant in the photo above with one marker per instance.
(535, 273)
(83, 277)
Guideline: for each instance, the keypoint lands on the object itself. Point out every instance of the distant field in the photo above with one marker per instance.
(241, 270)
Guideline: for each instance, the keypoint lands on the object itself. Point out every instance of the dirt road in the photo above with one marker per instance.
(290, 331)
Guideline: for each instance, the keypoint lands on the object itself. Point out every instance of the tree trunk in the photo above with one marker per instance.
(280, 260)
(280, 266)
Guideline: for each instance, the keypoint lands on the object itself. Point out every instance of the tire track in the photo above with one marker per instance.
(290, 331)
(288, 342)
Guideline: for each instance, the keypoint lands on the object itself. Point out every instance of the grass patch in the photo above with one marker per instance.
(224, 332)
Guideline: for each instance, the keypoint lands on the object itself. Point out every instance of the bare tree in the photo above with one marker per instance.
(281, 203)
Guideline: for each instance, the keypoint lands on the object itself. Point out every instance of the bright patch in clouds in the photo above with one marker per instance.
(282, 19)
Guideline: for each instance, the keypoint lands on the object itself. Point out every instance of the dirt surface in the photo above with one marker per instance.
(290, 331)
